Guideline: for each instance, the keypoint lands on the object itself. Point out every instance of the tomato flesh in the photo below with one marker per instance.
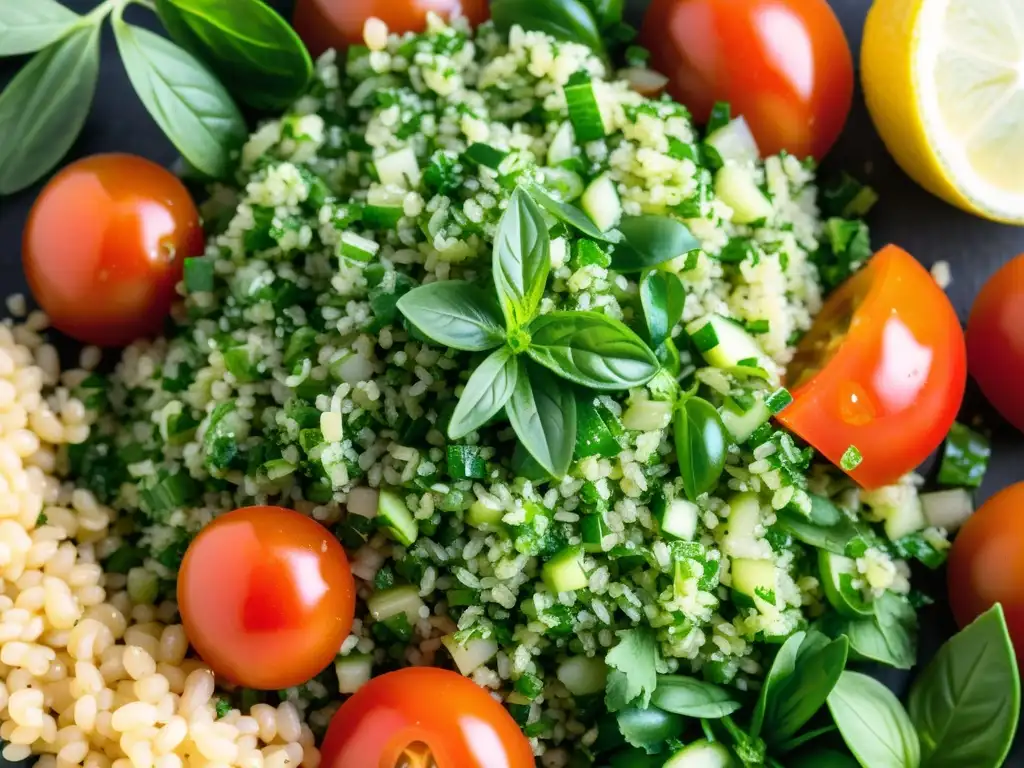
(986, 563)
(104, 247)
(995, 341)
(324, 24)
(266, 597)
(423, 717)
(883, 369)
(784, 65)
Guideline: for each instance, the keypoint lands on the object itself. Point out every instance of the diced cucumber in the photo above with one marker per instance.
(734, 345)
(741, 424)
(471, 656)
(755, 579)
(593, 435)
(678, 518)
(947, 509)
(385, 197)
(353, 672)
(734, 142)
(357, 248)
(648, 415)
(399, 168)
(601, 202)
(395, 516)
(701, 754)
(837, 574)
(564, 572)
(735, 186)
(565, 184)
(583, 675)
(563, 145)
(744, 516)
(585, 111)
(900, 507)
(486, 155)
(481, 515)
(388, 603)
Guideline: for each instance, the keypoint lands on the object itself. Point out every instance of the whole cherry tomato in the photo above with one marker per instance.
(784, 65)
(995, 341)
(882, 370)
(986, 564)
(104, 247)
(266, 597)
(324, 24)
(419, 714)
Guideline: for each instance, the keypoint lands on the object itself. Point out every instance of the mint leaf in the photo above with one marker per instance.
(634, 674)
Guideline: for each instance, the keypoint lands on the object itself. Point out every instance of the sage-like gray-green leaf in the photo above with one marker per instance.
(27, 26)
(253, 51)
(522, 259)
(591, 349)
(488, 390)
(187, 102)
(44, 107)
(542, 411)
(455, 313)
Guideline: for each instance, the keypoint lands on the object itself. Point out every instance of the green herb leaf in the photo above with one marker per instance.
(562, 19)
(701, 443)
(662, 296)
(522, 259)
(873, 723)
(250, 48)
(648, 728)
(488, 390)
(650, 240)
(634, 675)
(890, 637)
(591, 349)
(832, 536)
(27, 26)
(692, 697)
(187, 102)
(964, 457)
(44, 107)
(572, 216)
(455, 313)
(542, 411)
(966, 704)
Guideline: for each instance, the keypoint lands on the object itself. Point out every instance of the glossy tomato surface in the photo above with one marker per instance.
(266, 597)
(883, 369)
(784, 65)
(986, 564)
(104, 247)
(324, 24)
(995, 341)
(400, 717)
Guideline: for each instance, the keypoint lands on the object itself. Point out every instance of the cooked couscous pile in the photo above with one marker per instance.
(291, 377)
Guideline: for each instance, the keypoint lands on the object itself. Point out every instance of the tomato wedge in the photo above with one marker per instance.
(883, 371)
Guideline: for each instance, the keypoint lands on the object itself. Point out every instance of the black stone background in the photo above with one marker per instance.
(906, 215)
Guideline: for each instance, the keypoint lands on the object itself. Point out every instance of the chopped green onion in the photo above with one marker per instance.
(486, 155)
(964, 458)
(778, 400)
(382, 216)
(721, 116)
(198, 274)
(757, 326)
(584, 110)
(169, 493)
(352, 246)
(706, 338)
(465, 462)
(851, 459)
(748, 362)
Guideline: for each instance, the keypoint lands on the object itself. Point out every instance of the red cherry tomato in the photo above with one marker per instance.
(883, 369)
(407, 717)
(986, 564)
(266, 597)
(784, 65)
(995, 341)
(324, 24)
(104, 247)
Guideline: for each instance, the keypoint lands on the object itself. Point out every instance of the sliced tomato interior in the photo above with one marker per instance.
(416, 755)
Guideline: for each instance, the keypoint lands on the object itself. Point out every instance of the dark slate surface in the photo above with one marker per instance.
(907, 215)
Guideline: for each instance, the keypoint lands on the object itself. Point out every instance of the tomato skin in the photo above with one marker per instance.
(995, 341)
(784, 65)
(986, 563)
(324, 24)
(104, 247)
(266, 597)
(454, 717)
(896, 381)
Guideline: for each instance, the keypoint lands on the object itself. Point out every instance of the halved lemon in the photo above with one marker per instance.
(944, 82)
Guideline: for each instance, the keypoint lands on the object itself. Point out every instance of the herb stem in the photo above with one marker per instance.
(709, 732)
(146, 4)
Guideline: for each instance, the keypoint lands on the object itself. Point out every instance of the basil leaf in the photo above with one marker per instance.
(650, 240)
(700, 445)
(27, 26)
(542, 411)
(890, 637)
(822, 758)
(873, 723)
(648, 729)
(487, 391)
(782, 667)
(691, 697)
(44, 107)
(591, 349)
(455, 313)
(246, 43)
(833, 538)
(522, 259)
(662, 296)
(562, 19)
(966, 703)
(186, 101)
(572, 216)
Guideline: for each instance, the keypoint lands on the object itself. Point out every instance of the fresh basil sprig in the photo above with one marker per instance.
(26, 27)
(873, 723)
(701, 443)
(966, 703)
